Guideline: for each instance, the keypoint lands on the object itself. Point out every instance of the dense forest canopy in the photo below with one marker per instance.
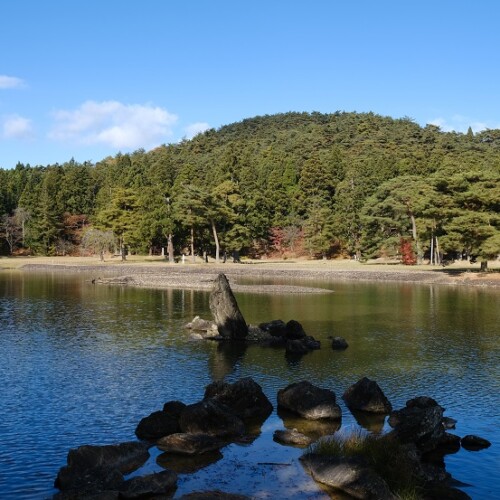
(357, 185)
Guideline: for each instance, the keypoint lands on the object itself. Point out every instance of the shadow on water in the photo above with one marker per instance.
(187, 464)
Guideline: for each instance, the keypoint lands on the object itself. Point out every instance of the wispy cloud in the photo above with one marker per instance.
(11, 82)
(17, 127)
(460, 123)
(195, 129)
(114, 124)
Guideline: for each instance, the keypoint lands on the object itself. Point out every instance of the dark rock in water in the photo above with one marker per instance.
(339, 343)
(366, 395)
(291, 437)
(213, 495)
(423, 402)
(160, 483)
(161, 423)
(187, 464)
(296, 347)
(210, 417)
(349, 475)
(447, 445)
(189, 444)
(420, 422)
(474, 443)
(309, 401)
(245, 398)
(437, 490)
(311, 343)
(276, 328)
(84, 483)
(98, 468)
(225, 310)
(294, 330)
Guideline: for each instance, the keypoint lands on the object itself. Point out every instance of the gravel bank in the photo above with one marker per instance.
(200, 277)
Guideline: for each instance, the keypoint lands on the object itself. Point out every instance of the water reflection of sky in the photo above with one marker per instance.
(83, 364)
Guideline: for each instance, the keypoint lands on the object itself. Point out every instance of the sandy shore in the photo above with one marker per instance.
(155, 272)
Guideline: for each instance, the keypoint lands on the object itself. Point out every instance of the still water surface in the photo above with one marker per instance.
(82, 364)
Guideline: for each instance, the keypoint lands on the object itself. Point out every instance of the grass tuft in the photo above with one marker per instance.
(384, 454)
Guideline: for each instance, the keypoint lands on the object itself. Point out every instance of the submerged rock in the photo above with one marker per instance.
(292, 437)
(160, 483)
(213, 495)
(189, 444)
(228, 318)
(366, 395)
(309, 401)
(187, 464)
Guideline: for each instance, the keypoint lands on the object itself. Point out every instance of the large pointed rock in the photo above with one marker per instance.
(227, 316)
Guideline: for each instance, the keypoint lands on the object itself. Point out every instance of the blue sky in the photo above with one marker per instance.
(85, 79)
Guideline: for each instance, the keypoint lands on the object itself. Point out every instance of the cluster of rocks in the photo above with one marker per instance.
(421, 429)
(229, 324)
(227, 412)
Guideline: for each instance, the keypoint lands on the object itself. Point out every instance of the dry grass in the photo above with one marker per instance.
(383, 454)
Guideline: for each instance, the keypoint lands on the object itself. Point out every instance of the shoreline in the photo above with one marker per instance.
(157, 273)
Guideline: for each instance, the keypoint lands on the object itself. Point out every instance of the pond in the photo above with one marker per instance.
(82, 364)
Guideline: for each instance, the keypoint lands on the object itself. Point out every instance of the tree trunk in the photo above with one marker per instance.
(432, 249)
(193, 258)
(123, 250)
(170, 249)
(484, 266)
(415, 237)
(216, 239)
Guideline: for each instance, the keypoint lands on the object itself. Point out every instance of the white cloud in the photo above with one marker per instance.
(459, 123)
(114, 124)
(10, 82)
(195, 129)
(17, 127)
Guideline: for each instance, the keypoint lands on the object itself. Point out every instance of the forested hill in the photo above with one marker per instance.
(292, 184)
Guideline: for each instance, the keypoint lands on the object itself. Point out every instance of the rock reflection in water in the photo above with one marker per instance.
(372, 422)
(314, 429)
(183, 464)
(225, 357)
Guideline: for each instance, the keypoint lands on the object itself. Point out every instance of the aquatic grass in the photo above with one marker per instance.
(383, 454)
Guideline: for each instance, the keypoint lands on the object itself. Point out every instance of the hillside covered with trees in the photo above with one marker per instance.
(355, 185)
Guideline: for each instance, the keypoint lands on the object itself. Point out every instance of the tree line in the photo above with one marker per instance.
(353, 185)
